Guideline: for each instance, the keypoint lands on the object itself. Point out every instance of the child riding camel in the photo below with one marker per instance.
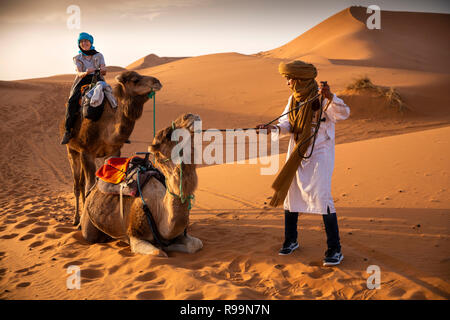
(86, 62)
(304, 182)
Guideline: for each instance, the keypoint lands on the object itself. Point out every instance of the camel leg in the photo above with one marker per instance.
(89, 168)
(145, 247)
(90, 232)
(75, 164)
(186, 243)
(139, 233)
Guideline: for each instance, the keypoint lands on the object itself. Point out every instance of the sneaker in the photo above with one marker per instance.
(67, 137)
(288, 248)
(332, 257)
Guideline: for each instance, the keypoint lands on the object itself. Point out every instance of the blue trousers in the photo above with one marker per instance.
(329, 220)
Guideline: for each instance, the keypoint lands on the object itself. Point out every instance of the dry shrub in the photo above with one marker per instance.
(391, 95)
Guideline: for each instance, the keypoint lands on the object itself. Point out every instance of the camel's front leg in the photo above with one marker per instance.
(77, 175)
(186, 243)
(144, 247)
(89, 168)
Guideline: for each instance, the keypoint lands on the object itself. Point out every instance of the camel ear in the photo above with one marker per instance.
(120, 81)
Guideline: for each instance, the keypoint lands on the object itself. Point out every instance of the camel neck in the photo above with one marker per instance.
(129, 111)
(182, 182)
(177, 217)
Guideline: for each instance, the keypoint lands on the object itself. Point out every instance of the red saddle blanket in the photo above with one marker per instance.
(114, 170)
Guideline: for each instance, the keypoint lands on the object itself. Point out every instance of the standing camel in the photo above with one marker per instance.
(101, 218)
(105, 137)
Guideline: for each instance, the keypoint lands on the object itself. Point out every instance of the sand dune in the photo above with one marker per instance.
(390, 183)
(406, 40)
(151, 60)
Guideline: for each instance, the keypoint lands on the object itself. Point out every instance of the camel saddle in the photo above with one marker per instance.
(120, 175)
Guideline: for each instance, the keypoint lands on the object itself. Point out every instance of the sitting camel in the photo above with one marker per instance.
(105, 137)
(101, 218)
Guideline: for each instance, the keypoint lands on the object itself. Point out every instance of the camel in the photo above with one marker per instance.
(101, 219)
(106, 136)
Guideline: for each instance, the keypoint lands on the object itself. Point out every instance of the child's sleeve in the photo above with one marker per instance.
(78, 65)
(102, 60)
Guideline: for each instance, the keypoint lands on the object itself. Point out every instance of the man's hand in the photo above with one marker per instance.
(325, 91)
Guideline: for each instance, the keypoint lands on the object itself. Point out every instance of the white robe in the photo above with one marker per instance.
(310, 191)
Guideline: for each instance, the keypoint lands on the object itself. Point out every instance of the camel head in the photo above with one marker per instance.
(133, 89)
(134, 84)
(162, 144)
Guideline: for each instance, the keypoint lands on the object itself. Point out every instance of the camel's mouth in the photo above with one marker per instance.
(157, 86)
(154, 88)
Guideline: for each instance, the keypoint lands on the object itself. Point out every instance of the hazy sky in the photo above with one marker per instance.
(36, 40)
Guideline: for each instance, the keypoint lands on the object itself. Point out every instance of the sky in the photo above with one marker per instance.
(38, 41)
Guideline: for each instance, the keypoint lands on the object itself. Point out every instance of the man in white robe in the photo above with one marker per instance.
(310, 190)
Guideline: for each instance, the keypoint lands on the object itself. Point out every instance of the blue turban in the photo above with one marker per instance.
(87, 36)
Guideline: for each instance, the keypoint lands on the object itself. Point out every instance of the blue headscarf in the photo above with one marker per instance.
(87, 36)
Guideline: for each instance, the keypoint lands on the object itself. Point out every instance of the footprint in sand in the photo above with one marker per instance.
(150, 295)
(320, 273)
(38, 230)
(194, 296)
(23, 284)
(396, 292)
(26, 237)
(27, 271)
(146, 277)
(65, 230)
(90, 274)
(73, 263)
(50, 247)
(9, 236)
(36, 244)
(25, 223)
(37, 214)
(53, 235)
(113, 269)
(417, 295)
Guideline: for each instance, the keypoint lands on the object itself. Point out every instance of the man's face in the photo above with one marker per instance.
(290, 82)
